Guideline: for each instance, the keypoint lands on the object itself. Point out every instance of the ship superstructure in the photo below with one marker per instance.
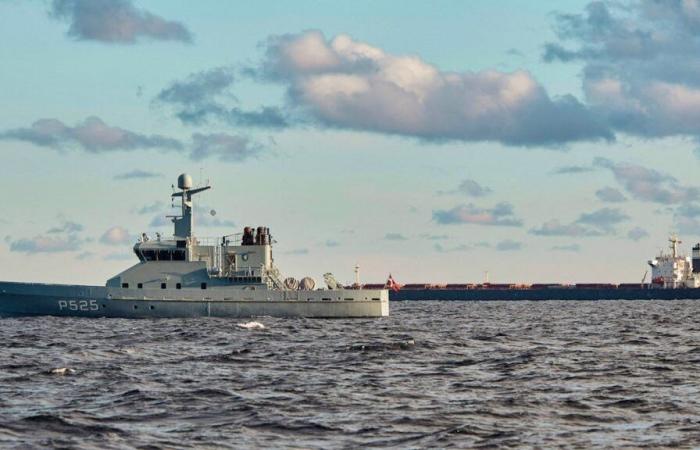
(242, 260)
(185, 275)
(674, 270)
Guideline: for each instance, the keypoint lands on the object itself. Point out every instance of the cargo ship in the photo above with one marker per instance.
(673, 277)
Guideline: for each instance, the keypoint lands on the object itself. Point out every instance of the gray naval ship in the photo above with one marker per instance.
(231, 276)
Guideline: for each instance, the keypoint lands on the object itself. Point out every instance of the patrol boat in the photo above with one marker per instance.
(231, 276)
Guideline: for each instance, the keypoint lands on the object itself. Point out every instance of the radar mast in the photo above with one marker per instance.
(184, 224)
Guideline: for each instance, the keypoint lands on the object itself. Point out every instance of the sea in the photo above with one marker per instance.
(574, 374)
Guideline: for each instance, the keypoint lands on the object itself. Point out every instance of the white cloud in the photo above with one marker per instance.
(116, 22)
(501, 214)
(346, 83)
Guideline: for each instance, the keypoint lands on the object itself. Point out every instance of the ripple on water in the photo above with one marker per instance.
(450, 374)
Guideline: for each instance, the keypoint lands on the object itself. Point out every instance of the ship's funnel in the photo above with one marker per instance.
(184, 181)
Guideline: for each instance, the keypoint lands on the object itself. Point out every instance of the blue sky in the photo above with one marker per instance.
(541, 141)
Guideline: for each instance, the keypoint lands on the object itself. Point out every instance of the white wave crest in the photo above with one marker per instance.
(252, 326)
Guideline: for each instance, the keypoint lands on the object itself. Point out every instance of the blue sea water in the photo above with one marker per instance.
(433, 374)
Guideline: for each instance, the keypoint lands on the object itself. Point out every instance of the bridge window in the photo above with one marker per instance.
(162, 255)
(178, 286)
(125, 285)
(140, 285)
(204, 285)
(162, 285)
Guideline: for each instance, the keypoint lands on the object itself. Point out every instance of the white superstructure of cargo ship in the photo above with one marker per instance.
(674, 270)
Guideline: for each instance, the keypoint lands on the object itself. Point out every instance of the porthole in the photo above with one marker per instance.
(152, 307)
(136, 306)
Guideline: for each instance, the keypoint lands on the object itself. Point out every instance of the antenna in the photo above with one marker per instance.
(184, 223)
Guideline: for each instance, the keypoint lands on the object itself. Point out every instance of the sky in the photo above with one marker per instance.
(538, 141)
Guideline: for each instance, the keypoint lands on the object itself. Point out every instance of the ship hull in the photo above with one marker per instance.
(28, 299)
(640, 293)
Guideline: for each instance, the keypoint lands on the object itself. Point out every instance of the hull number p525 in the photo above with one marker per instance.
(78, 305)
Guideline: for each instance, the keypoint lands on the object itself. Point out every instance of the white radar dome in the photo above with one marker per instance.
(184, 181)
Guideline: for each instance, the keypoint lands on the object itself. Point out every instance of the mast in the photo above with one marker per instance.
(184, 224)
(674, 245)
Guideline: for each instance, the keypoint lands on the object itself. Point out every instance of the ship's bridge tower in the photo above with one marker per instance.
(671, 270)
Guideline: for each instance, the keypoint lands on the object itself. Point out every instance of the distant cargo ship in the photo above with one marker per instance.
(673, 277)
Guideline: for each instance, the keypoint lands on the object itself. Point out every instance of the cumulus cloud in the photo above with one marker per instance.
(395, 237)
(349, 84)
(203, 95)
(46, 244)
(196, 97)
(60, 238)
(596, 223)
(649, 184)
(501, 214)
(116, 22)
(604, 219)
(116, 236)
(95, 136)
(691, 210)
(641, 63)
(687, 218)
(637, 233)
(469, 188)
(555, 228)
(509, 245)
(264, 117)
(565, 170)
(458, 248)
(92, 136)
(434, 237)
(137, 174)
(610, 195)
